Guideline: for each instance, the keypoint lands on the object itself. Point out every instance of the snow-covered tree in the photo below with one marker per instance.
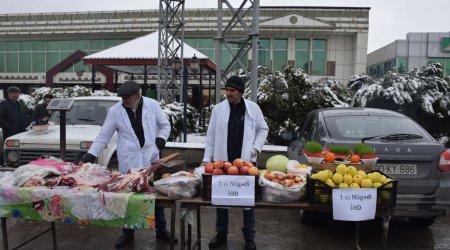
(421, 94)
(286, 97)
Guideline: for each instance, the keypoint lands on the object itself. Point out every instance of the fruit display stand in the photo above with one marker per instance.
(332, 166)
(195, 204)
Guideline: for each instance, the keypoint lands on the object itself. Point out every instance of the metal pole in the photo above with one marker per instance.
(185, 82)
(116, 79)
(93, 79)
(218, 60)
(62, 134)
(144, 87)
(255, 39)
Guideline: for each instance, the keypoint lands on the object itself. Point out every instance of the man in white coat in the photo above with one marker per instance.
(142, 131)
(237, 129)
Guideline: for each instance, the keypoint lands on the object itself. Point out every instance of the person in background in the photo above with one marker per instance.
(240, 123)
(40, 112)
(142, 130)
(12, 115)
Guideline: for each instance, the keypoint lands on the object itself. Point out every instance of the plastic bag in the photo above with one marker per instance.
(277, 193)
(178, 186)
(292, 168)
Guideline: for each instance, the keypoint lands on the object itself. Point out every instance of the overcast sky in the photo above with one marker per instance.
(389, 19)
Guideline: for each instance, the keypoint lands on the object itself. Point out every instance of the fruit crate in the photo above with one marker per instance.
(206, 187)
(319, 193)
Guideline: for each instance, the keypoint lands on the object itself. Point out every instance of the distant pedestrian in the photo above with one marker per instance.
(12, 114)
(41, 114)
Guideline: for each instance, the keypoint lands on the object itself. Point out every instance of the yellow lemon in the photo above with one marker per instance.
(351, 170)
(376, 185)
(343, 185)
(337, 178)
(362, 173)
(387, 181)
(330, 183)
(348, 179)
(341, 169)
(366, 183)
(330, 174)
(353, 185)
(357, 179)
(322, 176)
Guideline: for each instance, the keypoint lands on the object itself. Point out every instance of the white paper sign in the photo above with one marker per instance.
(354, 204)
(233, 190)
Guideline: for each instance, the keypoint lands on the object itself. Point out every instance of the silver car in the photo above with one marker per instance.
(405, 150)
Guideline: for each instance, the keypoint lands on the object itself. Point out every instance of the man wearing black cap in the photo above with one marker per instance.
(142, 130)
(240, 123)
(12, 114)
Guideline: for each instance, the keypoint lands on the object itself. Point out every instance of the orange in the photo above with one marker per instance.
(355, 158)
(329, 157)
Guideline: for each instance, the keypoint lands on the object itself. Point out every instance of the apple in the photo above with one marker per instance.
(233, 170)
(253, 171)
(218, 164)
(238, 162)
(249, 164)
(226, 166)
(217, 171)
(209, 167)
(243, 170)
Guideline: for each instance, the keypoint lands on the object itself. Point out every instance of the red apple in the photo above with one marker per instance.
(233, 170)
(209, 167)
(253, 171)
(217, 171)
(249, 164)
(243, 170)
(238, 162)
(226, 166)
(218, 164)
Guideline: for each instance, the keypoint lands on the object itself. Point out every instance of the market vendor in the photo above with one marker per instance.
(237, 129)
(142, 130)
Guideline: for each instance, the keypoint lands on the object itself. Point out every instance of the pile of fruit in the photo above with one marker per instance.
(237, 167)
(287, 180)
(350, 177)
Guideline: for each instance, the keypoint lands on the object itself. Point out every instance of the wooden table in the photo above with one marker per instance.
(196, 203)
(161, 201)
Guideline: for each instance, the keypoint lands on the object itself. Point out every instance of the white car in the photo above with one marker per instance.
(83, 123)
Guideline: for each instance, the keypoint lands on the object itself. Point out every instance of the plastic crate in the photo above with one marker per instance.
(319, 193)
(206, 187)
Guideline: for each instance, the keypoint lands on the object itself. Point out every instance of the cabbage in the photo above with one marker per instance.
(277, 163)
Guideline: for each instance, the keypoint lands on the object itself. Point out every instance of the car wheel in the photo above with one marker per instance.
(423, 222)
(113, 163)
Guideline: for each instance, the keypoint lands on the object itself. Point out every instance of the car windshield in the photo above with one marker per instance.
(358, 127)
(91, 112)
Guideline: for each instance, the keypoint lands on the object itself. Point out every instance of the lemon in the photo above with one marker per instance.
(341, 169)
(351, 170)
(322, 176)
(357, 179)
(343, 185)
(362, 173)
(375, 177)
(330, 183)
(376, 185)
(337, 178)
(387, 181)
(354, 185)
(330, 174)
(348, 179)
(382, 179)
(366, 183)
(314, 177)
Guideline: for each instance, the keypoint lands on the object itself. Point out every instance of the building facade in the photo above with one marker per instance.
(417, 50)
(324, 41)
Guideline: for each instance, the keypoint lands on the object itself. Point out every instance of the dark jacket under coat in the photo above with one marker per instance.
(12, 118)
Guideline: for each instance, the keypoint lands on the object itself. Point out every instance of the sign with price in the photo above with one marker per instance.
(354, 204)
(233, 190)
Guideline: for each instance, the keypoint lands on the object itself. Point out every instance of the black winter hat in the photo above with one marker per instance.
(128, 88)
(13, 89)
(235, 82)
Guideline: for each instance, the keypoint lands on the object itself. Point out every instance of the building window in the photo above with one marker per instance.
(279, 54)
(302, 54)
(402, 65)
(319, 56)
(264, 53)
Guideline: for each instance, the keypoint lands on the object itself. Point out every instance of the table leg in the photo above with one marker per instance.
(173, 209)
(386, 221)
(356, 244)
(199, 230)
(52, 224)
(189, 243)
(5, 234)
(182, 233)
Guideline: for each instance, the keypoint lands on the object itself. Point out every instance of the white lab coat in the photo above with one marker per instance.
(255, 132)
(129, 152)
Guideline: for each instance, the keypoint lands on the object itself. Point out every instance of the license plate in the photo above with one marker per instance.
(405, 169)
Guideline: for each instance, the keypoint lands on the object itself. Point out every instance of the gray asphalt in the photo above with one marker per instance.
(276, 229)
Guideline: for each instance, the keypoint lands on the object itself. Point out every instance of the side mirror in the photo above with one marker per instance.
(287, 136)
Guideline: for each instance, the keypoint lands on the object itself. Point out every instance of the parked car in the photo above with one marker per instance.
(83, 123)
(405, 150)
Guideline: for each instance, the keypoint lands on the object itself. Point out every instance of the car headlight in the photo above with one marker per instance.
(13, 143)
(12, 156)
(85, 144)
